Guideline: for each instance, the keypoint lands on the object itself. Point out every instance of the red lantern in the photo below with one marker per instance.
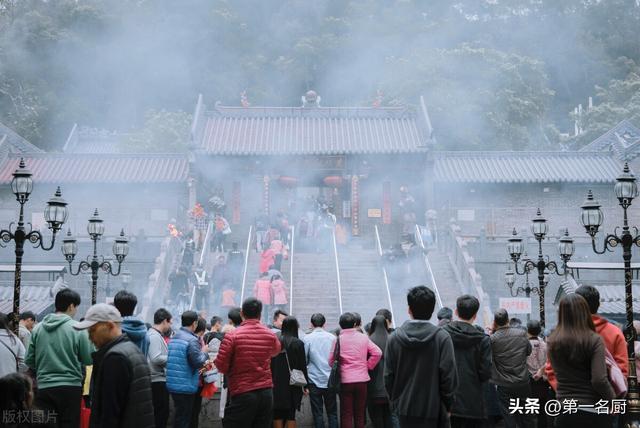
(287, 181)
(334, 181)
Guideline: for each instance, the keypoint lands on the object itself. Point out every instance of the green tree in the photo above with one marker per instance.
(163, 132)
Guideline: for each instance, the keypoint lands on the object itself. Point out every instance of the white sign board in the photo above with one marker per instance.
(516, 305)
(466, 215)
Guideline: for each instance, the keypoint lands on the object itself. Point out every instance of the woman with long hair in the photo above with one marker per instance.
(287, 398)
(12, 350)
(377, 401)
(577, 355)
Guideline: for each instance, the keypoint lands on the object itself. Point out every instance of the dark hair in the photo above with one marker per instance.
(421, 301)
(27, 315)
(591, 295)
(5, 324)
(252, 308)
(386, 313)
(188, 318)
(378, 331)
(125, 301)
(515, 322)
(501, 317)
(202, 325)
(235, 316)
(570, 339)
(290, 327)
(318, 320)
(445, 313)
(215, 319)
(65, 298)
(161, 315)
(347, 320)
(534, 328)
(467, 306)
(358, 319)
(279, 312)
(14, 392)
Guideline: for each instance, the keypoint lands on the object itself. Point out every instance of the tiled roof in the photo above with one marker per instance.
(309, 131)
(623, 140)
(15, 142)
(525, 167)
(611, 297)
(35, 298)
(91, 168)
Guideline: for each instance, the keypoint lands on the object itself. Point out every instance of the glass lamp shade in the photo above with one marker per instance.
(56, 211)
(510, 278)
(95, 226)
(539, 226)
(121, 247)
(592, 216)
(515, 246)
(69, 246)
(566, 246)
(126, 276)
(626, 187)
(22, 183)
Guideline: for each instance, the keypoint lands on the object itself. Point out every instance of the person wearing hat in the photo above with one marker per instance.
(120, 378)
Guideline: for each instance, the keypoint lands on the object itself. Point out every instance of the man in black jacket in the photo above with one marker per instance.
(419, 368)
(473, 361)
(121, 383)
(510, 347)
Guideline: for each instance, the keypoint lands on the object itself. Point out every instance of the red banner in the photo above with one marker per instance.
(386, 202)
(235, 202)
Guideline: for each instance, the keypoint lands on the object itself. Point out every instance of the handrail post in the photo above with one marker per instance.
(292, 241)
(335, 253)
(384, 274)
(246, 263)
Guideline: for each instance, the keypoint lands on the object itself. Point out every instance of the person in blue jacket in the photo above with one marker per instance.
(135, 329)
(183, 365)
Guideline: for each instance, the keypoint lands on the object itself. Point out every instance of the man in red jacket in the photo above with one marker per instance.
(245, 358)
(611, 334)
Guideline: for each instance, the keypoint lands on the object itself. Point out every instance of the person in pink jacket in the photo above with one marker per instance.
(280, 291)
(262, 291)
(267, 259)
(358, 355)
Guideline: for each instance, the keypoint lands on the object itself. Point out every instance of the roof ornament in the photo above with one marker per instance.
(377, 102)
(311, 99)
(244, 101)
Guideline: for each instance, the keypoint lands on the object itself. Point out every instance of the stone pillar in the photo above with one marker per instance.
(355, 205)
(266, 194)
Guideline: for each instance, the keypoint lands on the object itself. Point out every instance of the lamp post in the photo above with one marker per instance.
(625, 190)
(542, 264)
(528, 290)
(94, 263)
(55, 214)
(126, 278)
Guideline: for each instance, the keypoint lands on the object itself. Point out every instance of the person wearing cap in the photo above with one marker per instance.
(121, 380)
(445, 315)
(56, 355)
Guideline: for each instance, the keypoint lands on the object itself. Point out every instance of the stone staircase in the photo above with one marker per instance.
(362, 280)
(315, 288)
(447, 281)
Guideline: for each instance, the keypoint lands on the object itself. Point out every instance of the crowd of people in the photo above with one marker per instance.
(111, 370)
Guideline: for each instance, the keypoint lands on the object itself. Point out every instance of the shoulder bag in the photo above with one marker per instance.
(334, 377)
(296, 377)
(616, 378)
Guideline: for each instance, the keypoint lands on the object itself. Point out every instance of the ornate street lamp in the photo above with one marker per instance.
(95, 228)
(542, 264)
(55, 214)
(528, 290)
(626, 190)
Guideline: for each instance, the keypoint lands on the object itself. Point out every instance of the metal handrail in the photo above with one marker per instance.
(428, 266)
(335, 254)
(246, 262)
(384, 275)
(292, 240)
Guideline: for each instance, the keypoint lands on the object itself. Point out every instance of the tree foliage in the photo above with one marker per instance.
(495, 74)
